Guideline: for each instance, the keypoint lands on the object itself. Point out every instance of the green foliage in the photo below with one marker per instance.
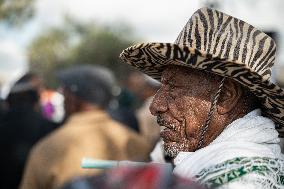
(16, 12)
(48, 53)
(79, 43)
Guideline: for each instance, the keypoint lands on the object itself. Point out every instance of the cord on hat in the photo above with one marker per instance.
(210, 114)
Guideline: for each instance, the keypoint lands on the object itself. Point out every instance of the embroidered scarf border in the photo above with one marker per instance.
(270, 170)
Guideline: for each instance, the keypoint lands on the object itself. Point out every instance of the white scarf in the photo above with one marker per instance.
(250, 136)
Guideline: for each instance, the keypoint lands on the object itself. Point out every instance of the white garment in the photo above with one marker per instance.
(158, 153)
(250, 136)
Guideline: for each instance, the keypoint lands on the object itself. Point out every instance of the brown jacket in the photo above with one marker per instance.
(56, 159)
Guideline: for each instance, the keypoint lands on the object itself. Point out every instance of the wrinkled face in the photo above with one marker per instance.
(181, 106)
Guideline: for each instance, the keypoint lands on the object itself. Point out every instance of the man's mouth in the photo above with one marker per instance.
(168, 132)
(165, 125)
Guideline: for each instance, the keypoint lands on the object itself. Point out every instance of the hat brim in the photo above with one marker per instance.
(153, 58)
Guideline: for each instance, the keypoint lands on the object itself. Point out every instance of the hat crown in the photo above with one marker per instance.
(230, 39)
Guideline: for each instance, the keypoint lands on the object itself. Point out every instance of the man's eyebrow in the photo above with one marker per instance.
(167, 79)
(164, 80)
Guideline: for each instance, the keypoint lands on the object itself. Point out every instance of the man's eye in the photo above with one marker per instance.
(173, 94)
(171, 84)
(172, 90)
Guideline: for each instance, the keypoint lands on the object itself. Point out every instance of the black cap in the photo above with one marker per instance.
(91, 83)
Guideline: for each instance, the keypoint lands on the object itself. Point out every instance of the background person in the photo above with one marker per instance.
(88, 132)
(21, 126)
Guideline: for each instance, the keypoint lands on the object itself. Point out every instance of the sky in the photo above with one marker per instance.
(152, 20)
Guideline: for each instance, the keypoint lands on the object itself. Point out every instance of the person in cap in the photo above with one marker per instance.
(21, 127)
(88, 132)
(218, 107)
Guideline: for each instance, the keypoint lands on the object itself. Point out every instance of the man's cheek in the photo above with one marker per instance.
(176, 108)
(192, 127)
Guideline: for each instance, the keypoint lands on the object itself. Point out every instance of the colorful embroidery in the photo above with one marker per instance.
(263, 171)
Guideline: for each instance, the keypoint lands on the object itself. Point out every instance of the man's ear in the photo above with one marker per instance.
(230, 95)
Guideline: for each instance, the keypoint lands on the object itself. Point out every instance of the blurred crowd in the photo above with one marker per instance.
(45, 132)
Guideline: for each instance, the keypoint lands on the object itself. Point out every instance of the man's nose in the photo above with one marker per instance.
(159, 103)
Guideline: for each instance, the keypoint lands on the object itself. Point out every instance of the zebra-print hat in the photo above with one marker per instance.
(216, 42)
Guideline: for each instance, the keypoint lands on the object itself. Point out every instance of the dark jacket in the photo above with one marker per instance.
(20, 129)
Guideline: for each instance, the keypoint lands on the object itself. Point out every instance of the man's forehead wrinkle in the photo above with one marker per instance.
(177, 77)
(169, 73)
(183, 77)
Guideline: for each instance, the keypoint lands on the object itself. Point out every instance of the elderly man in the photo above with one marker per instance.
(216, 103)
(88, 132)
